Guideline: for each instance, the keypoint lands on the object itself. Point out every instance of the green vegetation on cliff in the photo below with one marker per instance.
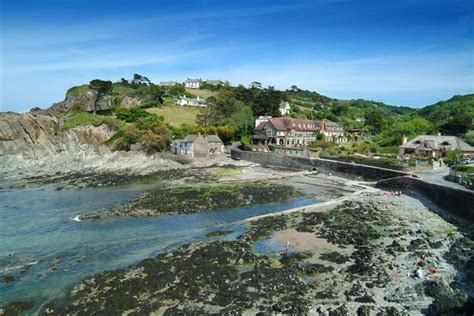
(231, 111)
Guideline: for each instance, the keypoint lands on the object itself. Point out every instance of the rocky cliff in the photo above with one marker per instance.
(33, 144)
(83, 98)
(35, 135)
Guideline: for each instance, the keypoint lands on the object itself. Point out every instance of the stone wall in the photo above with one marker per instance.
(336, 167)
(457, 201)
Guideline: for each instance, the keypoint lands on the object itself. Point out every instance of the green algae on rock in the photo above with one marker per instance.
(195, 199)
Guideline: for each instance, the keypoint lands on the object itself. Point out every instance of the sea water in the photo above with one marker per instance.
(47, 250)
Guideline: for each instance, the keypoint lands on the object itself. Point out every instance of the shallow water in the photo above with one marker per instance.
(38, 233)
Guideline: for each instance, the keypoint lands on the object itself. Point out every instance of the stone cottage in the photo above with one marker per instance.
(197, 146)
(431, 146)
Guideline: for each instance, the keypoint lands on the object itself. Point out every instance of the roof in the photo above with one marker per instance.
(332, 124)
(191, 138)
(216, 82)
(436, 142)
(193, 80)
(287, 124)
(197, 99)
(284, 104)
(213, 138)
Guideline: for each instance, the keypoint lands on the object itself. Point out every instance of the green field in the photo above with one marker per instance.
(177, 115)
(201, 93)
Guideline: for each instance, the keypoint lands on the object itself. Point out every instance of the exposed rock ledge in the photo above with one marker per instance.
(33, 144)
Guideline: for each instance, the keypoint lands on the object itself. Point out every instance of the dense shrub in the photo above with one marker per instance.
(131, 115)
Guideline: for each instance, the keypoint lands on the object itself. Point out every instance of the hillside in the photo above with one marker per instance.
(454, 116)
(138, 109)
(177, 115)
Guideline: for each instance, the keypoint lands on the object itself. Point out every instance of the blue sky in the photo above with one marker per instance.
(409, 53)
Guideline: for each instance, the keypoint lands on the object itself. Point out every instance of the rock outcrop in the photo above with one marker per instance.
(83, 98)
(34, 136)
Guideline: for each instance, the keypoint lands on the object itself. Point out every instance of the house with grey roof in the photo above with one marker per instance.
(168, 83)
(284, 108)
(434, 146)
(197, 146)
(217, 82)
(193, 83)
(334, 132)
(198, 101)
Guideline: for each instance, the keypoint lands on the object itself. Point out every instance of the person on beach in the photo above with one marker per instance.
(422, 259)
(417, 273)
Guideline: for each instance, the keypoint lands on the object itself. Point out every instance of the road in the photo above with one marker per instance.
(437, 176)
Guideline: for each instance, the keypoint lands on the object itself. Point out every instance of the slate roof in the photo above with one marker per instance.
(436, 142)
(332, 124)
(288, 124)
(213, 138)
(193, 80)
(284, 104)
(191, 138)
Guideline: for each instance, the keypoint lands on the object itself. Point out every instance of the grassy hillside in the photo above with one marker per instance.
(201, 93)
(454, 116)
(177, 115)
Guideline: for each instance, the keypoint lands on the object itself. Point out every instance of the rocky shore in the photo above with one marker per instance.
(355, 258)
(192, 199)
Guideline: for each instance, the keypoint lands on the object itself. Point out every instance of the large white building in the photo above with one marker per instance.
(291, 132)
(193, 83)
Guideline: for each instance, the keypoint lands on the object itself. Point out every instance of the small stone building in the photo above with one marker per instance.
(198, 146)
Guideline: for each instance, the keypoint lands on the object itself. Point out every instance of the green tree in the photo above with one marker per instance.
(102, 88)
(375, 119)
(469, 137)
(452, 156)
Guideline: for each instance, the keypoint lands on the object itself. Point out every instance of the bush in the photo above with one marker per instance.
(452, 156)
(131, 115)
(245, 140)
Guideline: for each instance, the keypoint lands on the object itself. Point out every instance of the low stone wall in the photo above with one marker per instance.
(457, 201)
(336, 167)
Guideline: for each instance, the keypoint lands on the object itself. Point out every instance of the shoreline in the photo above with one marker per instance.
(369, 246)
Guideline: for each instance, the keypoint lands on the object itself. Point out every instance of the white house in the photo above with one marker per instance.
(334, 132)
(262, 119)
(284, 108)
(193, 83)
(198, 101)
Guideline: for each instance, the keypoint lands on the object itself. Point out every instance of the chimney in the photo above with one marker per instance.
(404, 139)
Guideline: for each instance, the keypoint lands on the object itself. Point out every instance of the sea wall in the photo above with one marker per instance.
(336, 167)
(459, 202)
